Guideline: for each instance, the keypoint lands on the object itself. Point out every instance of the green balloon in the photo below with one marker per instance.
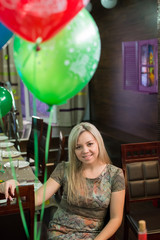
(58, 69)
(5, 101)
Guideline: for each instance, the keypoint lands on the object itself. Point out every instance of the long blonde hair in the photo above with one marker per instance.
(76, 181)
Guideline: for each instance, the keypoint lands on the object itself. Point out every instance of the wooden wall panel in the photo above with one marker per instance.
(112, 107)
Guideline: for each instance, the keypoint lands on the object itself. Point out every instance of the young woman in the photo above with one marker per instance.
(90, 184)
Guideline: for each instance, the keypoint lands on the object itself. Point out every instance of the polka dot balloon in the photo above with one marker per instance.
(62, 66)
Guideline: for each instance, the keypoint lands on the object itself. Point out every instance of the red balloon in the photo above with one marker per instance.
(36, 20)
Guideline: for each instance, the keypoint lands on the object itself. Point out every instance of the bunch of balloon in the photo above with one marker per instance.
(53, 69)
(59, 68)
(5, 35)
(5, 101)
(38, 19)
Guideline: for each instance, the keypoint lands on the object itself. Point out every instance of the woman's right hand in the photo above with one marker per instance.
(8, 188)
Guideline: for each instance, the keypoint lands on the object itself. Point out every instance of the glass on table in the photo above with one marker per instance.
(16, 167)
(12, 169)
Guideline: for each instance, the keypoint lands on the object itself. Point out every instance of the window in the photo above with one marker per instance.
(140, 65)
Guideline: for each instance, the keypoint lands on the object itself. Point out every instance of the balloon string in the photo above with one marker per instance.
(37, 235)
(35, 132)
(19, 199)
(22, 215)
(36, 157)
(45, 168)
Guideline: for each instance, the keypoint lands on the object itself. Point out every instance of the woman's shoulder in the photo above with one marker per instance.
(60, 169)
(62, 166)
(112, 169)
(116, 178)
(59, 173)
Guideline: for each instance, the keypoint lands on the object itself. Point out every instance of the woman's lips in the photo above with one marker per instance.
(87, 156)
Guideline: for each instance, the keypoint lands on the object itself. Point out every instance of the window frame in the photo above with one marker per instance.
(131, 56)
(153, 88)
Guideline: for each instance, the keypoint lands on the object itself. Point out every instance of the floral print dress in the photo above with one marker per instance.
(71, 222)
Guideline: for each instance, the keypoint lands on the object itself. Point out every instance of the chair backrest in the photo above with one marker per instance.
(61, 151)
(144, 150)
(42, 149)
(36, 128)
(11, 224)
(141, 166)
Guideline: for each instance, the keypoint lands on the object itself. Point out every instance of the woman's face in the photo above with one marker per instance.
(87, 149)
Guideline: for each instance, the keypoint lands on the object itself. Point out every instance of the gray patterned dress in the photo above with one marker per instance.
(71, 222)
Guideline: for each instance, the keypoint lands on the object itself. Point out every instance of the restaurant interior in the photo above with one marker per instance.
(127, 113)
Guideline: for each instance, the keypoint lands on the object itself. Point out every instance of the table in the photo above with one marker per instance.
(24, 176)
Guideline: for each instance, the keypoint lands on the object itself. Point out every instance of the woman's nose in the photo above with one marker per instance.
(85, 149)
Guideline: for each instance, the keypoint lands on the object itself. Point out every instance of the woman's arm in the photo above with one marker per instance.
(50, 188)
(116, 215)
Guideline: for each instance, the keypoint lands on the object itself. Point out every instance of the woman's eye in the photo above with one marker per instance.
(78, 147)
(90, 144)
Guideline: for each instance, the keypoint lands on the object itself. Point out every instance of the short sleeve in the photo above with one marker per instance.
(58, 173)
(118, 182)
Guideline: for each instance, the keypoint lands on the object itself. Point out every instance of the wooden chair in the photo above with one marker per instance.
(11, 226)
(36, 128)
(41, 153)
(141, 166)
(61, 154)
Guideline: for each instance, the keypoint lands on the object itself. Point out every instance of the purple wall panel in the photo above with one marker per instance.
(130, 59)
